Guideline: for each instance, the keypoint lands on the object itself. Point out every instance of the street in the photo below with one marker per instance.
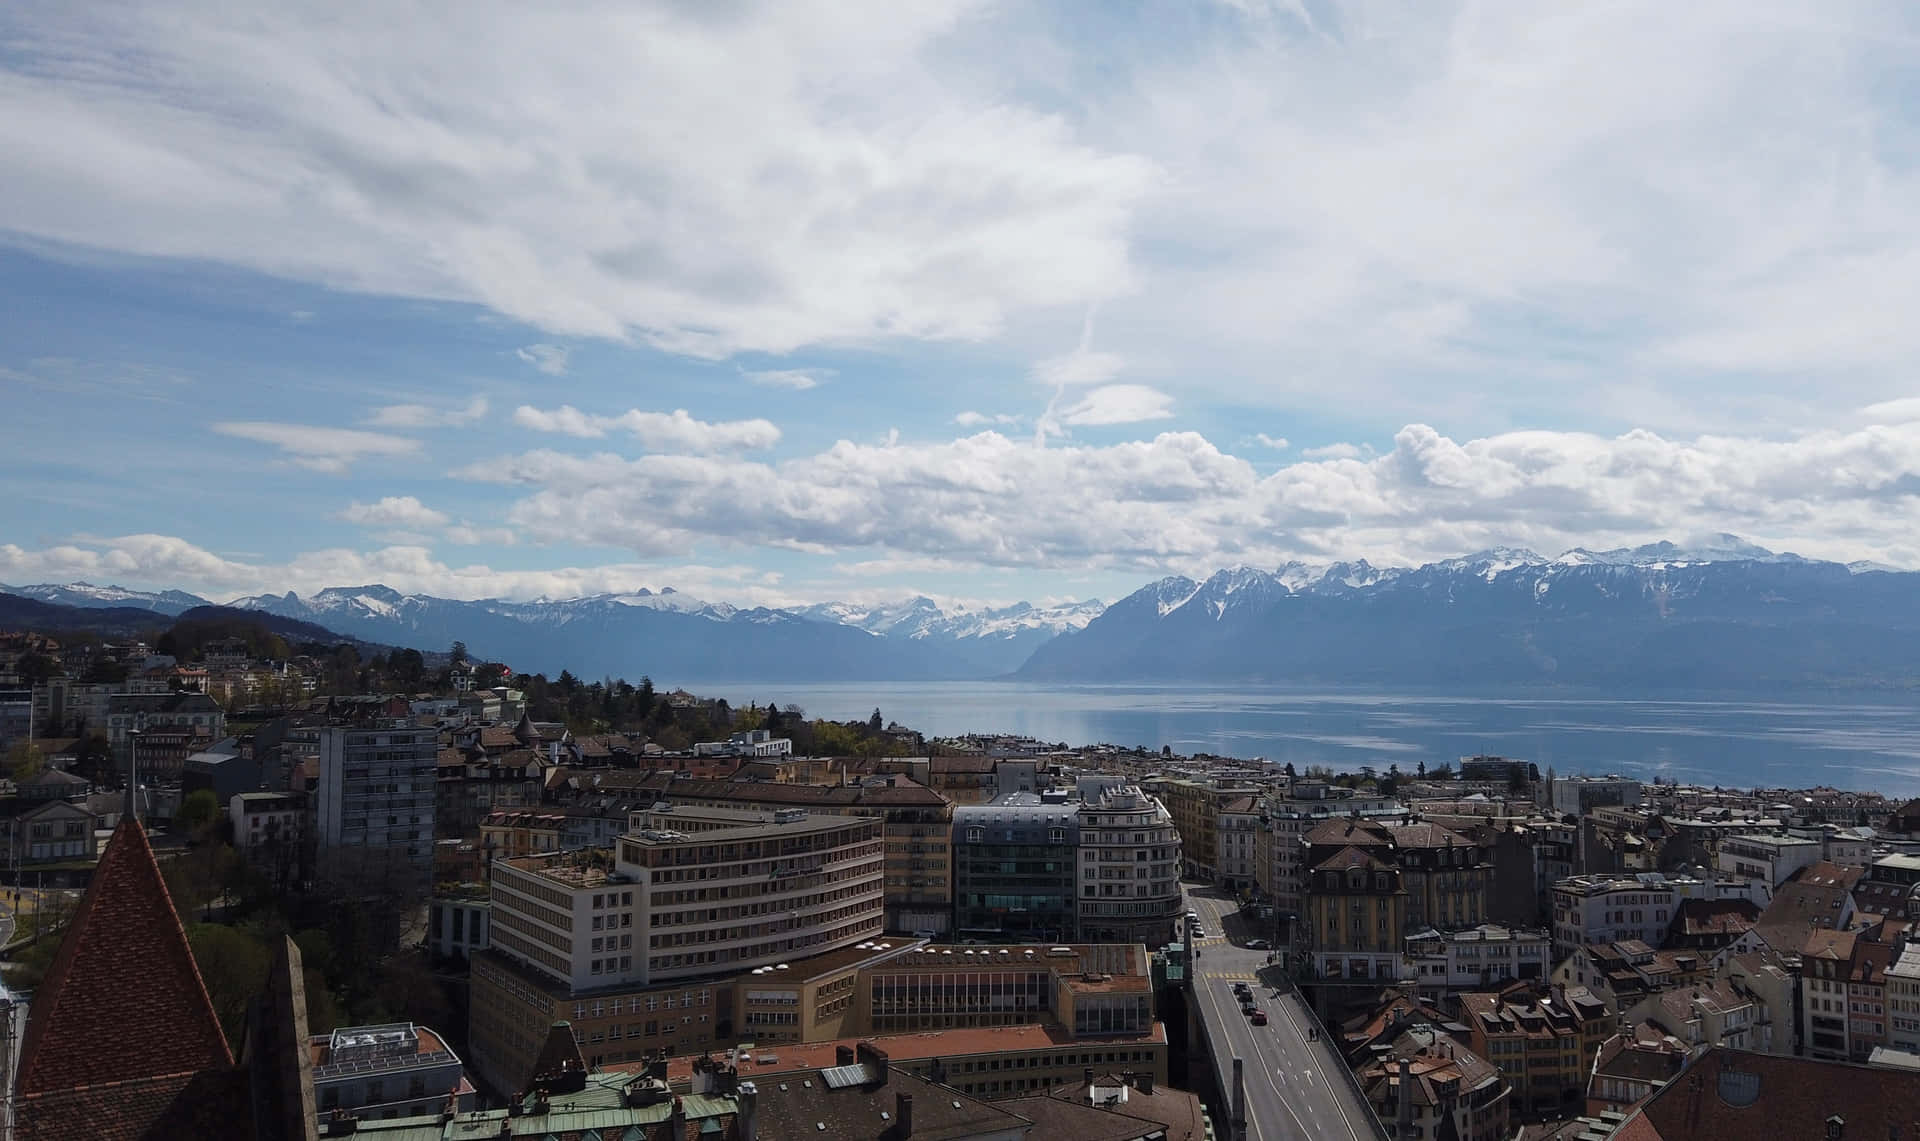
(1293, 1091)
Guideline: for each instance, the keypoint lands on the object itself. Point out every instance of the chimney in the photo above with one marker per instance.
(1143, 1083)
(1836, 1127)
(746, 1106)
(1405, 1104)
(843, 1055)
(903, 1114)
(677, 1118)
(1086, 1077)
(871, 1055)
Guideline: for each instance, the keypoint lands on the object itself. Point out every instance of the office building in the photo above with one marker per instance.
(1015, 862)
(1616, 908)
(374, 807)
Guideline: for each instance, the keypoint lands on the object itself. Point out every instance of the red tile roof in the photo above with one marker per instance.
(123, 975)
(1730, 1095)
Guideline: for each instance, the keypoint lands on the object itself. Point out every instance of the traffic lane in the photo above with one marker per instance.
(1230, 1036)
(1297, 1065)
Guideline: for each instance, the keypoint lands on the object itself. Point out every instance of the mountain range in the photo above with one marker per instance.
(1720, 613)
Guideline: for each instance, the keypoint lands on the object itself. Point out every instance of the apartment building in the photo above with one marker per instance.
(1280, 851)
(1903, 1000)
(1615, 908)
(1544, 1044)
(1448, 876)
(1479, 957)
(1195, 806)
(1237, 829)
(1129, 860)
(1581, 795)
(374, 805)
(1773, 857)
(1356, 912)
(1427, 1085)
(194, 718)
(1709, 1014)
(457, 921)
(1845, 994)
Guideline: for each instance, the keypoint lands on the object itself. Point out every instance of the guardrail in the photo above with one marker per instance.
(1330, 1059)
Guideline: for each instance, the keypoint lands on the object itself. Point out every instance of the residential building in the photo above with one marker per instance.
(1428, 1085)
(44, 831)
(1356, 912)
(69, 707)
(383, 1072)
(1775, 992)
(1015, 867)
(1235, 831)
(1195, 806)
(1708, 1014)
(1826, 962)
(1280, 851)
(1448, 876)
(1129, 859)
(1622, 974)
(263, 819)
(1903, 999)
(1630, 1066)
(1544, 1044)
(194, 716)
(1819, 898)
(1771, 857)
(1733, 1095)
(1615, 908)
(375, 806)
(1478, 958)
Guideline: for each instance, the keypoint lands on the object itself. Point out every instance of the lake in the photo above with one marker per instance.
(1845, 740)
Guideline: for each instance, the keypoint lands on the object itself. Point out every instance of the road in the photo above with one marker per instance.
(1293, 1091)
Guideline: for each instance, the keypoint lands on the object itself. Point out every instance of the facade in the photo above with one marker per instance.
(1448, 876)
(1544, 1045)
(1279, 846)
(44, 832)
(1015, 862)
(1129, 857)
(1713, 1014)
(1476, 958)
(263, 818)
(196, 715)
(1616, 908)
(385, 1072)
(1426, 1085)
(1195, 806)
(458, 920)
(1773, 858)
(375, 805)
(1356, 911)
(1236, 830)
(1579, 796)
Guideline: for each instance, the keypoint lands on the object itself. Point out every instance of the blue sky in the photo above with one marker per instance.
(778, 303)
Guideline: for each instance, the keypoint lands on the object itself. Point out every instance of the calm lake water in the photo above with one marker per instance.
(1847, 740)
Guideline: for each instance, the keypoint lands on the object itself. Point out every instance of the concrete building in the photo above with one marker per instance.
(199, 716)
(263, 818)
(1581, 795)
(1287, 818)
(1238, 826)
(1903, 1000)
(458, 921)
(1129, 859)
(1615, 908)
(1016, 862)
(1356, 913)
(1772, 857)
(374, 806)
(386, 1072)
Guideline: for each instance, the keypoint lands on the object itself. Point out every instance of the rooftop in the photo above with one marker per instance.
(791, 1058)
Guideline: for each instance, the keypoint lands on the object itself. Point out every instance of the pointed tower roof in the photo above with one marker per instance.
(524, 729)
(123, 1001)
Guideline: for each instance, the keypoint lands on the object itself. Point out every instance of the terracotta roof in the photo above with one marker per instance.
(1696, 918)
(124, 976)
(1732, 1095)
(1426, 835)
(211, 1103)
(1348, 831)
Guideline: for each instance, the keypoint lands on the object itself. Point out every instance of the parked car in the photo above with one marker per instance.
(1258, 944)
(1258, 1016)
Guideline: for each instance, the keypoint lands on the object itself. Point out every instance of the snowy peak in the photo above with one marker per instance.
(1717, 548)
(86, 594)
(1489, 564)
(921, 617)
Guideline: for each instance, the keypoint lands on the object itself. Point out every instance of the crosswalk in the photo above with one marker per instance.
(1230, 976)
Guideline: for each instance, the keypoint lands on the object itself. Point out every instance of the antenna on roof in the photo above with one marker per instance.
(132, 809)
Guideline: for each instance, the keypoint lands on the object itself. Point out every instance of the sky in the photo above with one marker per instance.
(796, 301)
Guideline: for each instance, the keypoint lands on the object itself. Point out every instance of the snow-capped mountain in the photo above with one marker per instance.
(89, 596)
(1715, 613)
(675, 634)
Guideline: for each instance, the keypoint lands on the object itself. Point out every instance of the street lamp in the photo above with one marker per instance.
(132, 805)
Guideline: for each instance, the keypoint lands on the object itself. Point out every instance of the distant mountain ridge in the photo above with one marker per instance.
(1718, 614)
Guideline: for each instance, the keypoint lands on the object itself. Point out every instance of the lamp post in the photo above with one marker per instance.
(131, 807)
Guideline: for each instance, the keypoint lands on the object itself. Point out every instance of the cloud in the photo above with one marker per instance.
(1902, 411)
(394, 511)
(1118, 404)
(330, 450)
(980, 419)
(676, 431)
(1082, 366)
(1277, 443)
(422, 416)
(854, 179)
(550, 359)
(466, 535)
(798, 379)
(1336, 451)
(1178, 503)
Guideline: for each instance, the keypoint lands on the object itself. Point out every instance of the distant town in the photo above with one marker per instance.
(255, 887)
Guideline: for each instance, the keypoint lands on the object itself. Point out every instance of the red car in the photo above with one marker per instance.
(1258, 1016)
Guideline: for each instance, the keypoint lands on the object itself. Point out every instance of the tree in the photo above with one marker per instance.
(35, 668)
(198, 814)
(24, 760)
(234, 966)
(875, 723)
(459, 652)
(1422, 770)
(1288, 769)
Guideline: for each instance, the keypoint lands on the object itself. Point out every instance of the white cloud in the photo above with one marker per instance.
(1902, 411)
(798, 379)
(320, 449)
(423, 416)
(1277, 443)
(1178, 503)
(970, 419)
(550, 359)
(1336, 451)
(1082, 366)
(1118, 404)
(661, 431)
(763, 178)
(467, 535)
(394, 511)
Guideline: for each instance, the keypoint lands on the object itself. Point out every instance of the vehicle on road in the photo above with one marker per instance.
(1257, 1016)
(1258, 945)
(1242, 990)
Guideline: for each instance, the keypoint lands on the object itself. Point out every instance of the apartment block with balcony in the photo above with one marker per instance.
(374, 805)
